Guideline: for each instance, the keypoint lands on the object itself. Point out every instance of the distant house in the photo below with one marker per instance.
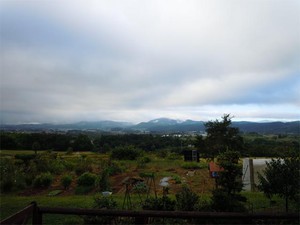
(191, 155)
(214, 169)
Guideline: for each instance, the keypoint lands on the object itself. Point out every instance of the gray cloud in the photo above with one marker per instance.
(136, 60)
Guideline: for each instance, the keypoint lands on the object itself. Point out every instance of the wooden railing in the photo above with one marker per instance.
(141, 217)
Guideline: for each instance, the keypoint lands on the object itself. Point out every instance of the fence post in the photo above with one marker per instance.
(37, 217)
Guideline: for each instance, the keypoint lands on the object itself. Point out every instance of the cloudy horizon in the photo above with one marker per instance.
(69, 61)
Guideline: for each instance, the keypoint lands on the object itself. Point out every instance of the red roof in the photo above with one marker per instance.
(213, 167)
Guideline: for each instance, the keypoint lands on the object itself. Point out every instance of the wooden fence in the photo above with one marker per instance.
(142, 217)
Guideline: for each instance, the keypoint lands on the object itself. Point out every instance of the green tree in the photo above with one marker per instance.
(222, 136)
(82, 143)
(281, 177)
(227, 196)
(36, 146)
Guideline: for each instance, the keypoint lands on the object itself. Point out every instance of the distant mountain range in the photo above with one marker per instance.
(161, 125)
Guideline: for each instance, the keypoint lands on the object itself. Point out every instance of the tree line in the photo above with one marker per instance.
(221, 135)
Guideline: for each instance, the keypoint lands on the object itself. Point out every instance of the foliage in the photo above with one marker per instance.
(192, 165)
(102, 181)
(186, 199)
(164, 203)
(66, 181)
(272, 146)
(177, 179)
(220, 137)
(82, 143)
(83, 165)
(36, 146)
(114, 167)
(101, 202)
(25, 157)
(223, 202)
(282, 177)
(125, 153)
(7, 170)
(43, 180)
(83, 190)
(142, 161)
(227, 196)
(104, 202)
(87, 179)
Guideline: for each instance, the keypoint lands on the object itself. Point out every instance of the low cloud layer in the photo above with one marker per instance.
(64, 61)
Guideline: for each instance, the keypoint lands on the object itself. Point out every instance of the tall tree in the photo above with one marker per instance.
(222, 136)
(227, 196)
(282, 178)
(82, 143)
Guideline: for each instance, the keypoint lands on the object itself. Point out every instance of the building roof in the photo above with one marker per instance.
(213, 167)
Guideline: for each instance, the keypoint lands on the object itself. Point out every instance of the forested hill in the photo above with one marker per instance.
(161, 125)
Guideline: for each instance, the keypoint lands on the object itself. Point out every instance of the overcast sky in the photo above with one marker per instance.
(136, 60)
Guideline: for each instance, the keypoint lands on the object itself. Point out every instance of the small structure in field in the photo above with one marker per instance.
(214, 169)
(191, 155)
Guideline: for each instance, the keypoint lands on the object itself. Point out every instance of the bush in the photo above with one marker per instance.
(177, 179)
(57, 167)
(7, 170)
(114, 168)
(222, 202)
(87, 179)
(125, 153)
(101, 202)
(162, 204)
(82, 190)
(25, 157)
(142, 161)
(102, 182)
(186, 199)
(66, 181)
(82, 166)
(192, 165)
(43, 180)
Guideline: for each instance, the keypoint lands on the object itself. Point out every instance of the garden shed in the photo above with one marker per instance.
(191, 155)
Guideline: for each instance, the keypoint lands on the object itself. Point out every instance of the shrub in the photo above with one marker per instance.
(43, 180)
(7, 170)
(163, 153)
(82, 166)
(114, 168)
(174, 156)
(87, 179)
(163, 204)
(25, 157)
(142, 161)
(66, 181)
(56, 166)
(222, 202)
(82, 190)
(177, 179)
(31, 173)
(125, 153)
(101, 202)
(186, 199)
(192, 165)
(102, 182)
